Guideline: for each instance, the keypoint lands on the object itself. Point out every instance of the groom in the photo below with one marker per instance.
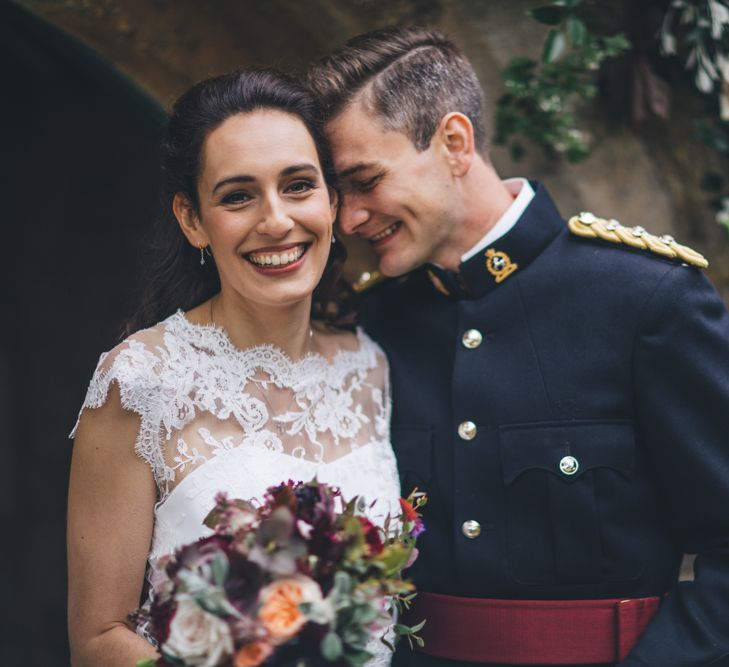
(561, 390)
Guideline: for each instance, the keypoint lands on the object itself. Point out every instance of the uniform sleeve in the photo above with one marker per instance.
(134, 368)
(681, 371)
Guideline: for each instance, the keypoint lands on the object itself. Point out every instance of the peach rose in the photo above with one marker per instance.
(280, 600)
(252, 655)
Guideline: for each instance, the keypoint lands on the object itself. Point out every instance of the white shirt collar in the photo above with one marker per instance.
(523, 194)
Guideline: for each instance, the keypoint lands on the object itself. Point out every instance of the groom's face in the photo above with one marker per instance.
(400, 200)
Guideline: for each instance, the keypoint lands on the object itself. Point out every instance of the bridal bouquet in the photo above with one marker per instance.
(304, 580)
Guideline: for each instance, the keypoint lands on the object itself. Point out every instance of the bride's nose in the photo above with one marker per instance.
(275, 220)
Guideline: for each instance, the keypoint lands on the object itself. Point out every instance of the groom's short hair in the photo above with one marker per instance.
(408, 78)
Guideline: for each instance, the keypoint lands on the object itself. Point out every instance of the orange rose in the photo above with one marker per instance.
(280, 600)
(252, 654)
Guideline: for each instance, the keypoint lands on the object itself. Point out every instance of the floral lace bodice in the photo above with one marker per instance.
(217, 418)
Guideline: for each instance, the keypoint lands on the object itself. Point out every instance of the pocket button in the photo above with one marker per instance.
(472, 339)
(569, 465)
(467, 430)
(471, 529)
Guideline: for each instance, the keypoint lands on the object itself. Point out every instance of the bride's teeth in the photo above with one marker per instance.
(280, 259)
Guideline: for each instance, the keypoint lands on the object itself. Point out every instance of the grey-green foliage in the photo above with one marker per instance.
(541, 95)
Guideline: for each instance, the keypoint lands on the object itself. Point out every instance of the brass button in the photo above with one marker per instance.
(471, 529)
(467, 430)
(472, 339)
(569, 465)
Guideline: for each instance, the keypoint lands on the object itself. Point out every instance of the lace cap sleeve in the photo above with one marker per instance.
(134, 366)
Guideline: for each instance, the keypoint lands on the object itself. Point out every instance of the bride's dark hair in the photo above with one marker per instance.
(174, 278)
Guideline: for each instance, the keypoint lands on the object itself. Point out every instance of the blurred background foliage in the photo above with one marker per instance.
(542, 95)
(618, 106)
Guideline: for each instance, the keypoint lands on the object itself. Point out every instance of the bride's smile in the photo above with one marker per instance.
(279, 259)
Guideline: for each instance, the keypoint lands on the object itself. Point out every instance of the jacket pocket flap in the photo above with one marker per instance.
(567, 449)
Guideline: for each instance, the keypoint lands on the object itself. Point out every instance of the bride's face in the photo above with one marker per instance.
(265, 209)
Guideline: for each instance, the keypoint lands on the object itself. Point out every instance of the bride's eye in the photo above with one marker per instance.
(236, 197)
(300, 186)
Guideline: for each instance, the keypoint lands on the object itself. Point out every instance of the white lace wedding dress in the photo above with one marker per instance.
(217, 418)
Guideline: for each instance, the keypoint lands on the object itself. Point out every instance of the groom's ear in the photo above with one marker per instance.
(333, 201)
(456, 133)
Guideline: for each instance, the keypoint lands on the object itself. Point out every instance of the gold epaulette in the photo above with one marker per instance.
(366, 280)
(588, 226)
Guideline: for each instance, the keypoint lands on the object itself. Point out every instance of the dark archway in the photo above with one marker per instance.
(79, 180)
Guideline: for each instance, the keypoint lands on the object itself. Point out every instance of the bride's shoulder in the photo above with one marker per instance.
(140, 346)
(132, 366)
(136, 363)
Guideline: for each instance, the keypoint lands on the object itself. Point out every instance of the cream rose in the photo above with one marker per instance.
(199, 638)
(280, 600)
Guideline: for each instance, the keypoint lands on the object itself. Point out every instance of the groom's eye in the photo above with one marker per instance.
(366, 184)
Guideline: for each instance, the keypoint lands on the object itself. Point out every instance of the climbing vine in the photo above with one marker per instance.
(542, 96)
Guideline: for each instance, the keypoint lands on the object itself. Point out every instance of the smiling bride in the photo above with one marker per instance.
(226, 381)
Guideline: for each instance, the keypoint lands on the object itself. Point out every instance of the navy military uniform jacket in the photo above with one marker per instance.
(612, 356)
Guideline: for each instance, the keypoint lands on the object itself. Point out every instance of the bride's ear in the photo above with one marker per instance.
(189, 221)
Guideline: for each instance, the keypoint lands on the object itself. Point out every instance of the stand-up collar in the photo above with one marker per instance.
(537, 227)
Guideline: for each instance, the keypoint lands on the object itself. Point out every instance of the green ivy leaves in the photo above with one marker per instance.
(541, 96)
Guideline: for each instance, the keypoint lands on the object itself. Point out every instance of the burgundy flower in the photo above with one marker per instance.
(243, 582)
(194, 556)
(372, 536)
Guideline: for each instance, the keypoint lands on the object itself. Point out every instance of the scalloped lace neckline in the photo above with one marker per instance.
(216, 338)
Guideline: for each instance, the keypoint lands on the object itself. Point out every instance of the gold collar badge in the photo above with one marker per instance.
(499, 264)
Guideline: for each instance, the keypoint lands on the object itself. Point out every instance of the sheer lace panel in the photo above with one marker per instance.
(199, 396)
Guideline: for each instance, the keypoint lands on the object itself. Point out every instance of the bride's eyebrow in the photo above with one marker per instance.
(232, 179)
(294, 168)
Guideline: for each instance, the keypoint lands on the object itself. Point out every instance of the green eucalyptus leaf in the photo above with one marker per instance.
(554, 46)
(616, 43)
(331, 646)
(357, 658)
(418, 627)
(400, 629)
(576, 30)
(342, 583)
(149, 662)
(548, 14)
(219, 567)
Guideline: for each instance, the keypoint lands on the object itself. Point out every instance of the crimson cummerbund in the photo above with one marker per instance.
(530, 632)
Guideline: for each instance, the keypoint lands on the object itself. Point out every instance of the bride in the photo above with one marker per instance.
(228, 383)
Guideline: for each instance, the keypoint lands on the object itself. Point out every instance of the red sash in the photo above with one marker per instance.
(530, 632)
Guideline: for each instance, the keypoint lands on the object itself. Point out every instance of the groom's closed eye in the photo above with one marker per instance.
(363, 185)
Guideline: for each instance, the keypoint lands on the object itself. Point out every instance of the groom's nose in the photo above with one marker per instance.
(352, 214)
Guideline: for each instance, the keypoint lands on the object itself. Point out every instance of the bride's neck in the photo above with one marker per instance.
(287, 327)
